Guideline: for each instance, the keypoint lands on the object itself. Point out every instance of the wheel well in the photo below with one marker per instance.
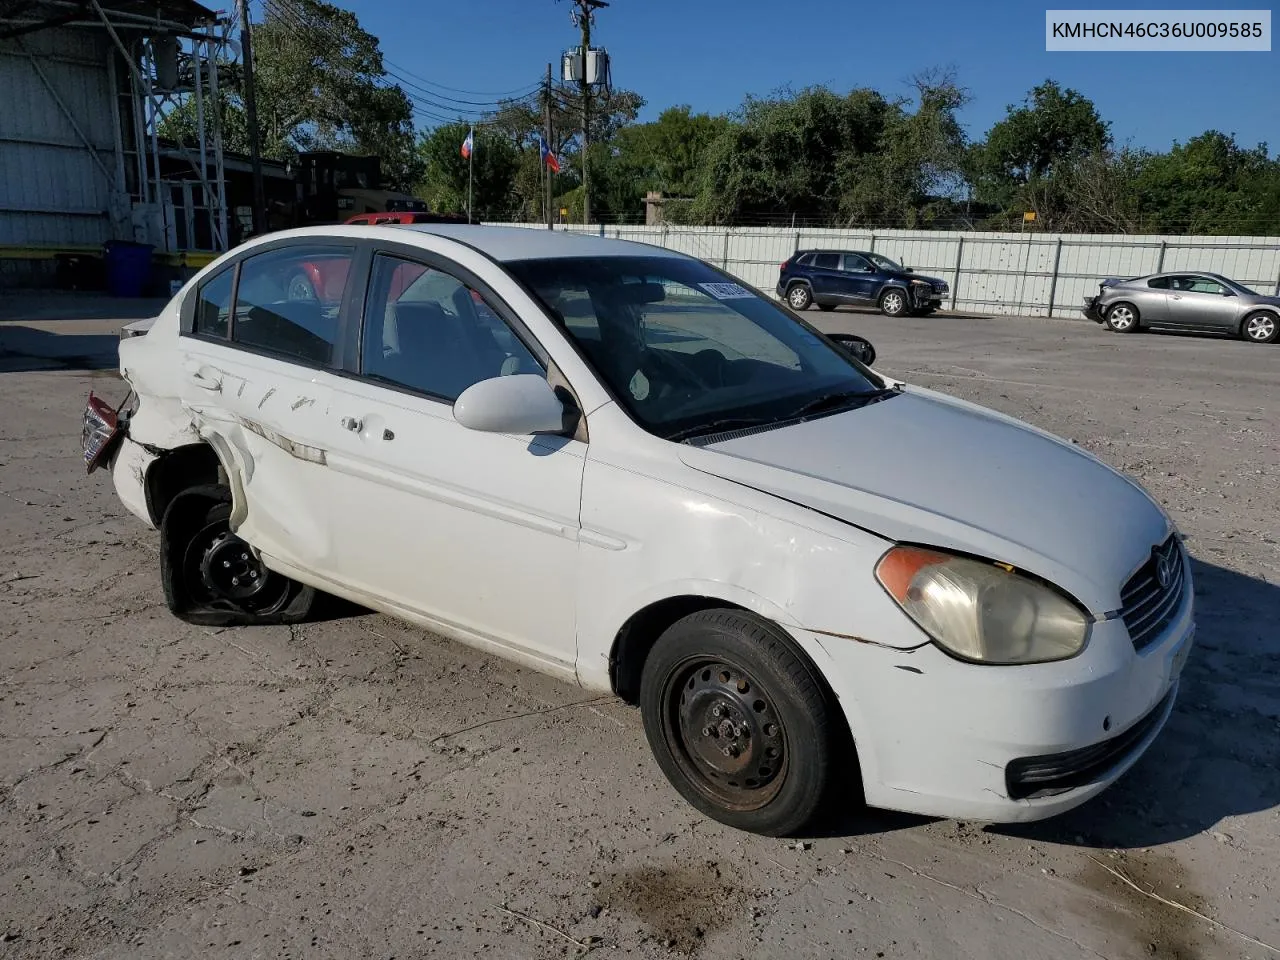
(889, 287)
(193, 465)
(1123, 303)
(633, 642)
(798, 282)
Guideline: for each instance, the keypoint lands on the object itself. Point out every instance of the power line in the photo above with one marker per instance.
(295, 22)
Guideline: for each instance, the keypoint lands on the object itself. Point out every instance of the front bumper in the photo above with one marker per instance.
(939, 737)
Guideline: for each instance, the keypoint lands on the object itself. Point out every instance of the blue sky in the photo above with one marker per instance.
(709, 53)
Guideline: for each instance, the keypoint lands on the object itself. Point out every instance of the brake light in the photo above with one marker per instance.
(783, 267)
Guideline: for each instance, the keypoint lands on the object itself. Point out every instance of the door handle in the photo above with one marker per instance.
(354, 424)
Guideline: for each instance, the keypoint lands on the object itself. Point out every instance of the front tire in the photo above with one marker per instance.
(1122, 318)
(1261, 327)
(800, 297)
(213, 578)
(893, 302)
(740, 722)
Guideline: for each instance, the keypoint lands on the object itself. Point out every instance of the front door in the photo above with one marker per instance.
(476, 532)
(858, 278)
(1198, 301)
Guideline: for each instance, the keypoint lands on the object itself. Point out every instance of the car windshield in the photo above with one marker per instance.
(686, 350)
(884, 263)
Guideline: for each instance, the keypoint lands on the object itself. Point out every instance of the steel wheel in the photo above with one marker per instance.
(220, 568)
(741, 722)
(1122, 318)
(724, 731)
(799, 297)
(1261, 328)
(893, 303)
(210, 575)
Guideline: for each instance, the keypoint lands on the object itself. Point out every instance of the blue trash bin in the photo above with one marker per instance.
(128, 267)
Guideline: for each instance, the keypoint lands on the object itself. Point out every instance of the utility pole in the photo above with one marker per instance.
(585, 14)
(251, 118)
(546, 168)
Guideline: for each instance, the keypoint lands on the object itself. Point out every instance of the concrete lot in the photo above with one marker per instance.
(355, 788)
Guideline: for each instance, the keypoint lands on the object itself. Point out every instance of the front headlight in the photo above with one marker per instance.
(981, 611)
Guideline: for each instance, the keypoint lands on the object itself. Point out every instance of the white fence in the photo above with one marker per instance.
(1035, 274)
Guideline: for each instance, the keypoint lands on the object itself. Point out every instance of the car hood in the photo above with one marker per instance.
(925, 468)
(1262, 300)
(932, 281)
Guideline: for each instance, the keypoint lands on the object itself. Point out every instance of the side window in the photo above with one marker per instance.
(826, 261)
(288, 302)
(213, 305)
(428, 331)
(1159, 283)
(1205, 285)
(806, 260)
(856, 264)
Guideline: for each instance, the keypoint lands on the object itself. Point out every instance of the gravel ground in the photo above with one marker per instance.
(357, 788)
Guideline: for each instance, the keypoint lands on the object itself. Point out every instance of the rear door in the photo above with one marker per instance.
(1200, 301)
(825, 275)
(254, 352)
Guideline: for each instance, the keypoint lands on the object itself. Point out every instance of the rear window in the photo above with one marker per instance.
(213, 305)
(288, 300)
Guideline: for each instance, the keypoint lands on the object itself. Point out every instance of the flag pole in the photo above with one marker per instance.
(470, 179)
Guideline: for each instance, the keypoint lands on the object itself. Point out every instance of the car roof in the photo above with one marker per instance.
(537, 243)
(861, 253)
(504, 244)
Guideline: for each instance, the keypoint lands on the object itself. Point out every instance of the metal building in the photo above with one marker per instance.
(84, 85)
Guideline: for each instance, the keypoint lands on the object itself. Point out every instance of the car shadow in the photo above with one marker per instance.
(1217, 758)
(25, 349)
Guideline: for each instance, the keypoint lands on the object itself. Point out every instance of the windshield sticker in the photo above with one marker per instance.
(639, 386)
(727, 291)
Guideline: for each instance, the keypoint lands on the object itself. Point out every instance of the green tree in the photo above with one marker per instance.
(1017, 167)
(784, 155)
(1211, 185)
(493, 167)
(320, 85)
(915, 173)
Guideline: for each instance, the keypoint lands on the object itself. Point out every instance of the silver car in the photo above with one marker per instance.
(1191, 301)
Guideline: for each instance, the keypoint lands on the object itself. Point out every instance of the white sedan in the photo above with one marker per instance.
(618, 465)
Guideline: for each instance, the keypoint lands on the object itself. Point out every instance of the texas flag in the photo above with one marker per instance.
(469, 143)
(548, 157)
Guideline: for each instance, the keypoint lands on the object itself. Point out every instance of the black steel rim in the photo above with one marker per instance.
(222, 570)
(725, 732)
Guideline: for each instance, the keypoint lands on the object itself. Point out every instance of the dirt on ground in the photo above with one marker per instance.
(357, 788)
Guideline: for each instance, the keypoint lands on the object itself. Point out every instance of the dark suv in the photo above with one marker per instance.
(832, 277)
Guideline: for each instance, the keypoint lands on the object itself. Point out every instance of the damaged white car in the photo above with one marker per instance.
(618, 465)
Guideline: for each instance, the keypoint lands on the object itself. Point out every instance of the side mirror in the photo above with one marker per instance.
(859, 348)
(520, 404)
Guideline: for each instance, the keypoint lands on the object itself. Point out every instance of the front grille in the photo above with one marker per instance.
(1059, 772)
(1147, 606)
